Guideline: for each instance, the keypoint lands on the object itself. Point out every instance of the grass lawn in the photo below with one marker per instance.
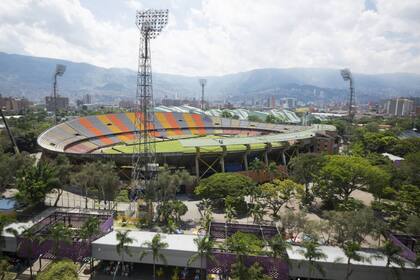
(174, 146)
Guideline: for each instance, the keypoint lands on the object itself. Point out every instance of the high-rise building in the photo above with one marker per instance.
(289, 103)
(62, 103)
(87, 99)
(399, 107)
(14, 105)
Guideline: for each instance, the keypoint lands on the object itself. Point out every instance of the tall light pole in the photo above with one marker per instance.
(347, 76)
(150, 23)
(203, 83)
(59, 71)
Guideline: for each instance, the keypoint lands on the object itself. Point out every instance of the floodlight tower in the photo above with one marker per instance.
(203, 83)
(59, 71)
(150, 23)
(347, 76)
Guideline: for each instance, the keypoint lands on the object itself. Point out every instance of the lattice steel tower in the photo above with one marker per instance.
(150, 23)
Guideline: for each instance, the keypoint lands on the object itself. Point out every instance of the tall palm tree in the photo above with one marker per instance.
(122, 247)
(59, 234)
(391, 252)
(32, 240)
(155, 246)
(312, 254)
(205, 246)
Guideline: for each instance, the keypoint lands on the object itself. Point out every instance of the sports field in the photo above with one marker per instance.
(175, 146)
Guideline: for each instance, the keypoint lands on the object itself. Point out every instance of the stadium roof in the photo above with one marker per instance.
(207, 142)
(285, 116)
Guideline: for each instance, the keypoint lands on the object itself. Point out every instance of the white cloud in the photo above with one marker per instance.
(220, 37)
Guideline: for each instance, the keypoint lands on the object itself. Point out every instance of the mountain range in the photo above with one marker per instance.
(31, 77)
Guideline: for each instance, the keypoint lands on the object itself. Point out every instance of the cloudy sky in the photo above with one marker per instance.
(211, 37)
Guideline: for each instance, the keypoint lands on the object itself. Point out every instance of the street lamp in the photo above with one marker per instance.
(59, 71)
(347, 76)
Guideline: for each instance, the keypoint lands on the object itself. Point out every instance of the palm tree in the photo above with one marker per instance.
(278, 248)
(312, 254)
(89, 229)
(258, 166)
(204, 250)
(156, 245)
(32, 240)
(60, 233)
(351, 249)
(391, 252)
(122, 247)
(272, 170)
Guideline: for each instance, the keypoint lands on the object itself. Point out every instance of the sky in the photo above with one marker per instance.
(216, 37)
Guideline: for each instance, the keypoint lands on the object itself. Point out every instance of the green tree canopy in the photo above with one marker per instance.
(35, 182)
(63, 270)
(220, 185)
(98, 179)
(341, 175)
(11, 166)
(279, 192)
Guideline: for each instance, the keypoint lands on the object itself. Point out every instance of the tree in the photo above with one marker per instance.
(171, 212)
(341, 175)
(5, 267)
(304, 168)
(205, 246)
(271, 119)
(229, 211)
(242, 245)
(63, 168)
(293, 223)
(391, 253)
(253, 118)
(63, 270)
(89, 229)
(11, 166)
(278, 193)
(219, 185)
(59, 234)
(278, 248)
(312, 254)
(352, 226)
(226, 114)
(124, 240)
(35, 182)
(29, 238)
(99, 179)
(257, 211)
(155, 246)
(351, 250)
(254, 272)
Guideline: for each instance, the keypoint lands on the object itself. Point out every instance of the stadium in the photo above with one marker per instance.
(201, 143)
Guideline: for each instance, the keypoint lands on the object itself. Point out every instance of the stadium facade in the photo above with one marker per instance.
(201, 143)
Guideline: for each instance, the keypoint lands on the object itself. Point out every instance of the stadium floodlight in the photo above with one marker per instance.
(347, 76)
(59, 71)
(151, 22)
(202, 83)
